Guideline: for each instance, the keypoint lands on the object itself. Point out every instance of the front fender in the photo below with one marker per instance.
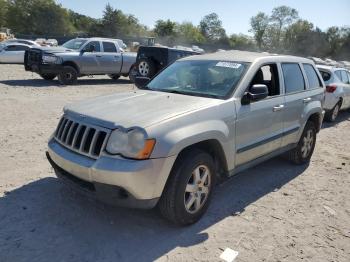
(179, 138)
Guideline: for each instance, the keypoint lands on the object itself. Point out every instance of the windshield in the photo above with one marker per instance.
(74, 44)
(200, 78)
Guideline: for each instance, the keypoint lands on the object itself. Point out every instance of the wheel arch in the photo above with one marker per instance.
(72, 64)
(214, 148)
(315, 118)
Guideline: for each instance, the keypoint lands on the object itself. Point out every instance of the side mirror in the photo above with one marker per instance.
(256, 92)
(141, 82)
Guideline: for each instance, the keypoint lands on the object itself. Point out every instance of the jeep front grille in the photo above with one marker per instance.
(34, 56)
(84, 139)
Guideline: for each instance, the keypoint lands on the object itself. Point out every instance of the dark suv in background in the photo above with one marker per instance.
(152, 59)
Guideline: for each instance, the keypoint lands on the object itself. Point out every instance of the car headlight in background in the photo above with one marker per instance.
(132, 143)
(50, 59)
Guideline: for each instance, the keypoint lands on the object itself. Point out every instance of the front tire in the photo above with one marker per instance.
(68, 76)
(332, 114)
(306, 145)
(188, 191)
(48, 76)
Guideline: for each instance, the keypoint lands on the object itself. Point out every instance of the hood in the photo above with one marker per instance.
(139, 108)
(54, 49)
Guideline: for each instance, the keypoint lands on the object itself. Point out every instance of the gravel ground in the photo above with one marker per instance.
(273, 212)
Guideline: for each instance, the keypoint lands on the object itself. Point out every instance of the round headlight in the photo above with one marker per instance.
(118, 142)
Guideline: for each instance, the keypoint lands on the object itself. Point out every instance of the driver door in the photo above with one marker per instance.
(259, 125)
(89, 63)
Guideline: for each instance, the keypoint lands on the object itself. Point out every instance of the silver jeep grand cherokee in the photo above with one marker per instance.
(203, 117)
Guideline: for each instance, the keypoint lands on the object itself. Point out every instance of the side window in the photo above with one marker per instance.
(10, 48)
(95, 44)
(312, 77)
(268, 75)
(293, 78)
(325, 75)
(22, 48)
(338, 74)
(344, 77)
(109, 47)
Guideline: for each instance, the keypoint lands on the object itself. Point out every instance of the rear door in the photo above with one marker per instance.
(295, 100)
(346, 81)
(14, 54)
(110, 59)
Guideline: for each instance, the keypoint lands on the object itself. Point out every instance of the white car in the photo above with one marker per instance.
(13, 53)
(337, 81)
(21, 41)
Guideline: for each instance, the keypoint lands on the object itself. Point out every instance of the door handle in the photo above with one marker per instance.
(307, 100)
(278, 108)
(98, 55)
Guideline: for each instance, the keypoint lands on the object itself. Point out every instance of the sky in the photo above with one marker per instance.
(235, 14)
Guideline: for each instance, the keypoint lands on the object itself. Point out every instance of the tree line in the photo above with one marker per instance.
(281, 31)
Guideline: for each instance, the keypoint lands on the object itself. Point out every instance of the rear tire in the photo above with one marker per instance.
(332, 114)
(114, 76)
(306, 145)
(68, 76)
(188, 190)
(146, 68)
(48, 76)
(133, 73)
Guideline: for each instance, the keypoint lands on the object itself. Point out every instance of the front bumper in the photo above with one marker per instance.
(117, 181)
(44, 68)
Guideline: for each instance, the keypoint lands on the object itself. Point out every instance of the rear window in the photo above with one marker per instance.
(109, 47)
(312, 77)
(344, 77)
(293, 78)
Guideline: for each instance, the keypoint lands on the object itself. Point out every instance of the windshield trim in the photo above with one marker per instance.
(226, 97)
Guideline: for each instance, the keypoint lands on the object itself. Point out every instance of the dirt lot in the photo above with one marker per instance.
(273, 212)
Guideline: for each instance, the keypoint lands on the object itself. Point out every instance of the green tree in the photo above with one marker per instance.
(164, 28)
(297, 36)
(282, 17)
(37, 17)
(259, 24)
(188, 33)
(3, 11)
(241, 42)
(211, 27)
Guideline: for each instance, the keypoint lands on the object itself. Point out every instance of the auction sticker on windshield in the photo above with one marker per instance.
(228, 64)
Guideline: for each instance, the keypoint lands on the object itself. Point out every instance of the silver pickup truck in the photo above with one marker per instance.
(79, 57)
(202, 118)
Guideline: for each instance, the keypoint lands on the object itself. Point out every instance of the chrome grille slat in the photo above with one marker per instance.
(93, 139)
(69, 133)
(63, 125)
(76, 135)
(83, 140)
(93, 142)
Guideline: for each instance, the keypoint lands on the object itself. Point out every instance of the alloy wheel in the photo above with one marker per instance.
(335, 112)
(197, 189)
(308, 141)
(144, 68)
